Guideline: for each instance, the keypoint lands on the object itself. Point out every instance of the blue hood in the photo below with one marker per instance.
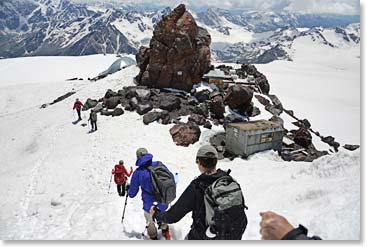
(146, 160)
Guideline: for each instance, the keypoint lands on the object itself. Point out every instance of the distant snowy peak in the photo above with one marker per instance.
(62, 27)
(278, 45)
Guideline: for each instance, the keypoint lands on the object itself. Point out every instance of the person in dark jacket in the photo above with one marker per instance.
(93, 120)
(120, 177)
(192, 199)
(141, 179)
(78, 106)
(276, 227)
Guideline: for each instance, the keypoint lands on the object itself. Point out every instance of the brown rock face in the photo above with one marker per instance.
(179, 53)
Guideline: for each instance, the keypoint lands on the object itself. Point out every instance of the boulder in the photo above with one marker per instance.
(276, 101)
(351, 147)
(112, 102)
(331, 141)
(117, 112)
(142, 94)
(255, 112)
(110, 94)
(208, 125)
(151, 117)
(263, 83)
(106, 112)
(169, 103)
(239, 97)
(185, 134)
(178, 55)
(165, 117)
(302, 137)
(133, 103)
(202, 95)
(143, 108)
(216, 106)
(98, 108)
(273, 110)
(90, 103)
(202, 109)
(262, 100)
(198, 119)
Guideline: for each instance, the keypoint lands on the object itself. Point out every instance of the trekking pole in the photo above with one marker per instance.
(109, 186)
(123, 214)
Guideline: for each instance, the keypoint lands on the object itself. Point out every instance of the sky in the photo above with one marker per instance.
(349, 7)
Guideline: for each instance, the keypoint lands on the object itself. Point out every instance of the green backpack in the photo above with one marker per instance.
(225, 215)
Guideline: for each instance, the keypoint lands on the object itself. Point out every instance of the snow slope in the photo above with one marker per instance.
(54, 175)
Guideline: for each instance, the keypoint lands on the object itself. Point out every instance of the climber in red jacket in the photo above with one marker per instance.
(121, 175)
(78, 106)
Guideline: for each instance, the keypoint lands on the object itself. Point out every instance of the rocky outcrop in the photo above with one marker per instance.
(178, 55)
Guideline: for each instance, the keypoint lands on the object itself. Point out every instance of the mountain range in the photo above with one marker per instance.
(62, 27)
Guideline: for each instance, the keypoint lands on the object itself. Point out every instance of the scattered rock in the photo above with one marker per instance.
(198, 119)
(216, 106)
(273, 110)
(151, 117)
(143, 108)
(133, 102)
(110, 94)
(90, 103)
(62, 97)
(105, 112)
(207, 125)
(303, 137)
(98, 107)
(55, 202)
(202, 109)
(117, 112)
(262, 100)
(185, 134)
(202, 95)
(255, 111)
(351, 147)
(331, 141)
(165, 117)
(169, 103)
(112, 102)
(142, 94)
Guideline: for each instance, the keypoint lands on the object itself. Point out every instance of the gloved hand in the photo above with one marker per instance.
(127, 186)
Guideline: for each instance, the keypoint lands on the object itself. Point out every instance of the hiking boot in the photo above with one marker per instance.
(166, 234)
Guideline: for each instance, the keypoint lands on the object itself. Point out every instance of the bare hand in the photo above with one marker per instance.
(273, 226)
(152, 210)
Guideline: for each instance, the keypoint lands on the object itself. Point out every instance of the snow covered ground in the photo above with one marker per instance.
(54, 175)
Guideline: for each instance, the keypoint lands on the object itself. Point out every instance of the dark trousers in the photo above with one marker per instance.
(121, 189)
(94, 125)
(78, 111)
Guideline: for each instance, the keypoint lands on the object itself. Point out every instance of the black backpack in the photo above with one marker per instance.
(163, 183)
(225, 216)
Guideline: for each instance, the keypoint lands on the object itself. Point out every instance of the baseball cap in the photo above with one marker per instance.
(140, 152)
(207, 151)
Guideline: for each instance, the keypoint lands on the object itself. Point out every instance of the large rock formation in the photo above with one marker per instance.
(179, 53)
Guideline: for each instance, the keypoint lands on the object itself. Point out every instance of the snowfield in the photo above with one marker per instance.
(54, 175)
